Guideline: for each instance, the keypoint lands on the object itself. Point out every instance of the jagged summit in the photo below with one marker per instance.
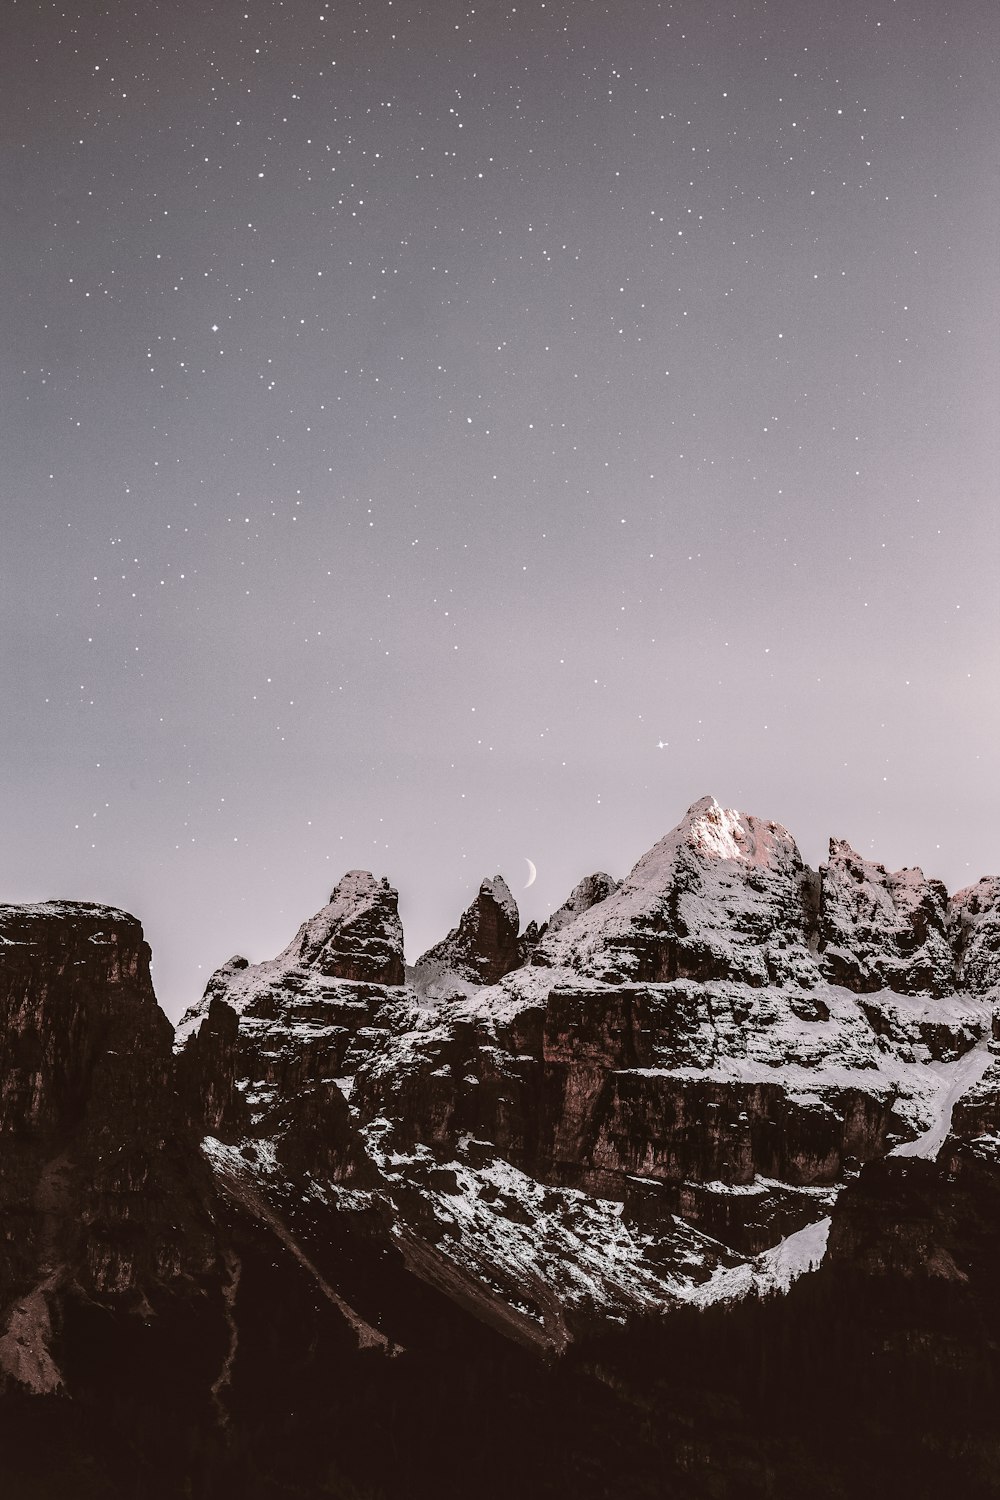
(714, 832)
(357, 935)
(480, 950)
(723, 894)
(588, 892)
(884, 929)
(710, 831)
(705, 901)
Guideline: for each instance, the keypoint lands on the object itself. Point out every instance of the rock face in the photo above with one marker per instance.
(711, 1079)
(974, 923)
(71, 975)
(481, 949)
(919, 1221)
(104, 1193)
(883, 931)
(268, 1049)
(358, 935)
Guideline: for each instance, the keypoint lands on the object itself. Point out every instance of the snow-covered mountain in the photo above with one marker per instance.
(681, 1074)
(710, 1080)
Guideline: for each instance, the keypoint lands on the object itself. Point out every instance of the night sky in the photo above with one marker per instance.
(439, 436)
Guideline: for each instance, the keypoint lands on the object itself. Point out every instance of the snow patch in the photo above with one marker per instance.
(957, 1078)
(773, 1271)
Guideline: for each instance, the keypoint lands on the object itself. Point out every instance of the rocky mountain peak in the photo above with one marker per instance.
(498, 891)
(717, 897)
(590, 891)
(722, 833)
(357, 935)
(480, 950)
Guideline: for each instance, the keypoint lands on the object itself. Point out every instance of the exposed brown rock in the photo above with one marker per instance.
(482, 948)
(930, 1221)
(102, 1190)
(974, 927)
(357, 935)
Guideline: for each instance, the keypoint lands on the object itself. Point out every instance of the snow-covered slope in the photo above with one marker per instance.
(588, 892)
(722, 895)
(884, 930)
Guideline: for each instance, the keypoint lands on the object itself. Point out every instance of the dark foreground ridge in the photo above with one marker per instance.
(693, 1192)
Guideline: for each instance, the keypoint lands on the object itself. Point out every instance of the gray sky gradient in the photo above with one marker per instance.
(437, 435)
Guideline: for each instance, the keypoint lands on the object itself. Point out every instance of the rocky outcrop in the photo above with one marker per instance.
(975, 1117)
(481, 949)
(883, 931)
(590, 891)
(74, 987)
(209, 1069)
(269, 1053)
(357, 935)
(103, 1191)
(920, 1220)
(974, 928)
(265, 1047)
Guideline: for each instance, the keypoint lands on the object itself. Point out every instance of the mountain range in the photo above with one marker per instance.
(693, 1191)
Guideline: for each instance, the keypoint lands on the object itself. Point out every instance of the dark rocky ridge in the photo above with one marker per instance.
(682, 1090)
(358, 935)
(974, 931)
(481, 949)
(105, 1195)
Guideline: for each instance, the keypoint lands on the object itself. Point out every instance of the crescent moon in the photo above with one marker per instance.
(532, 872)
